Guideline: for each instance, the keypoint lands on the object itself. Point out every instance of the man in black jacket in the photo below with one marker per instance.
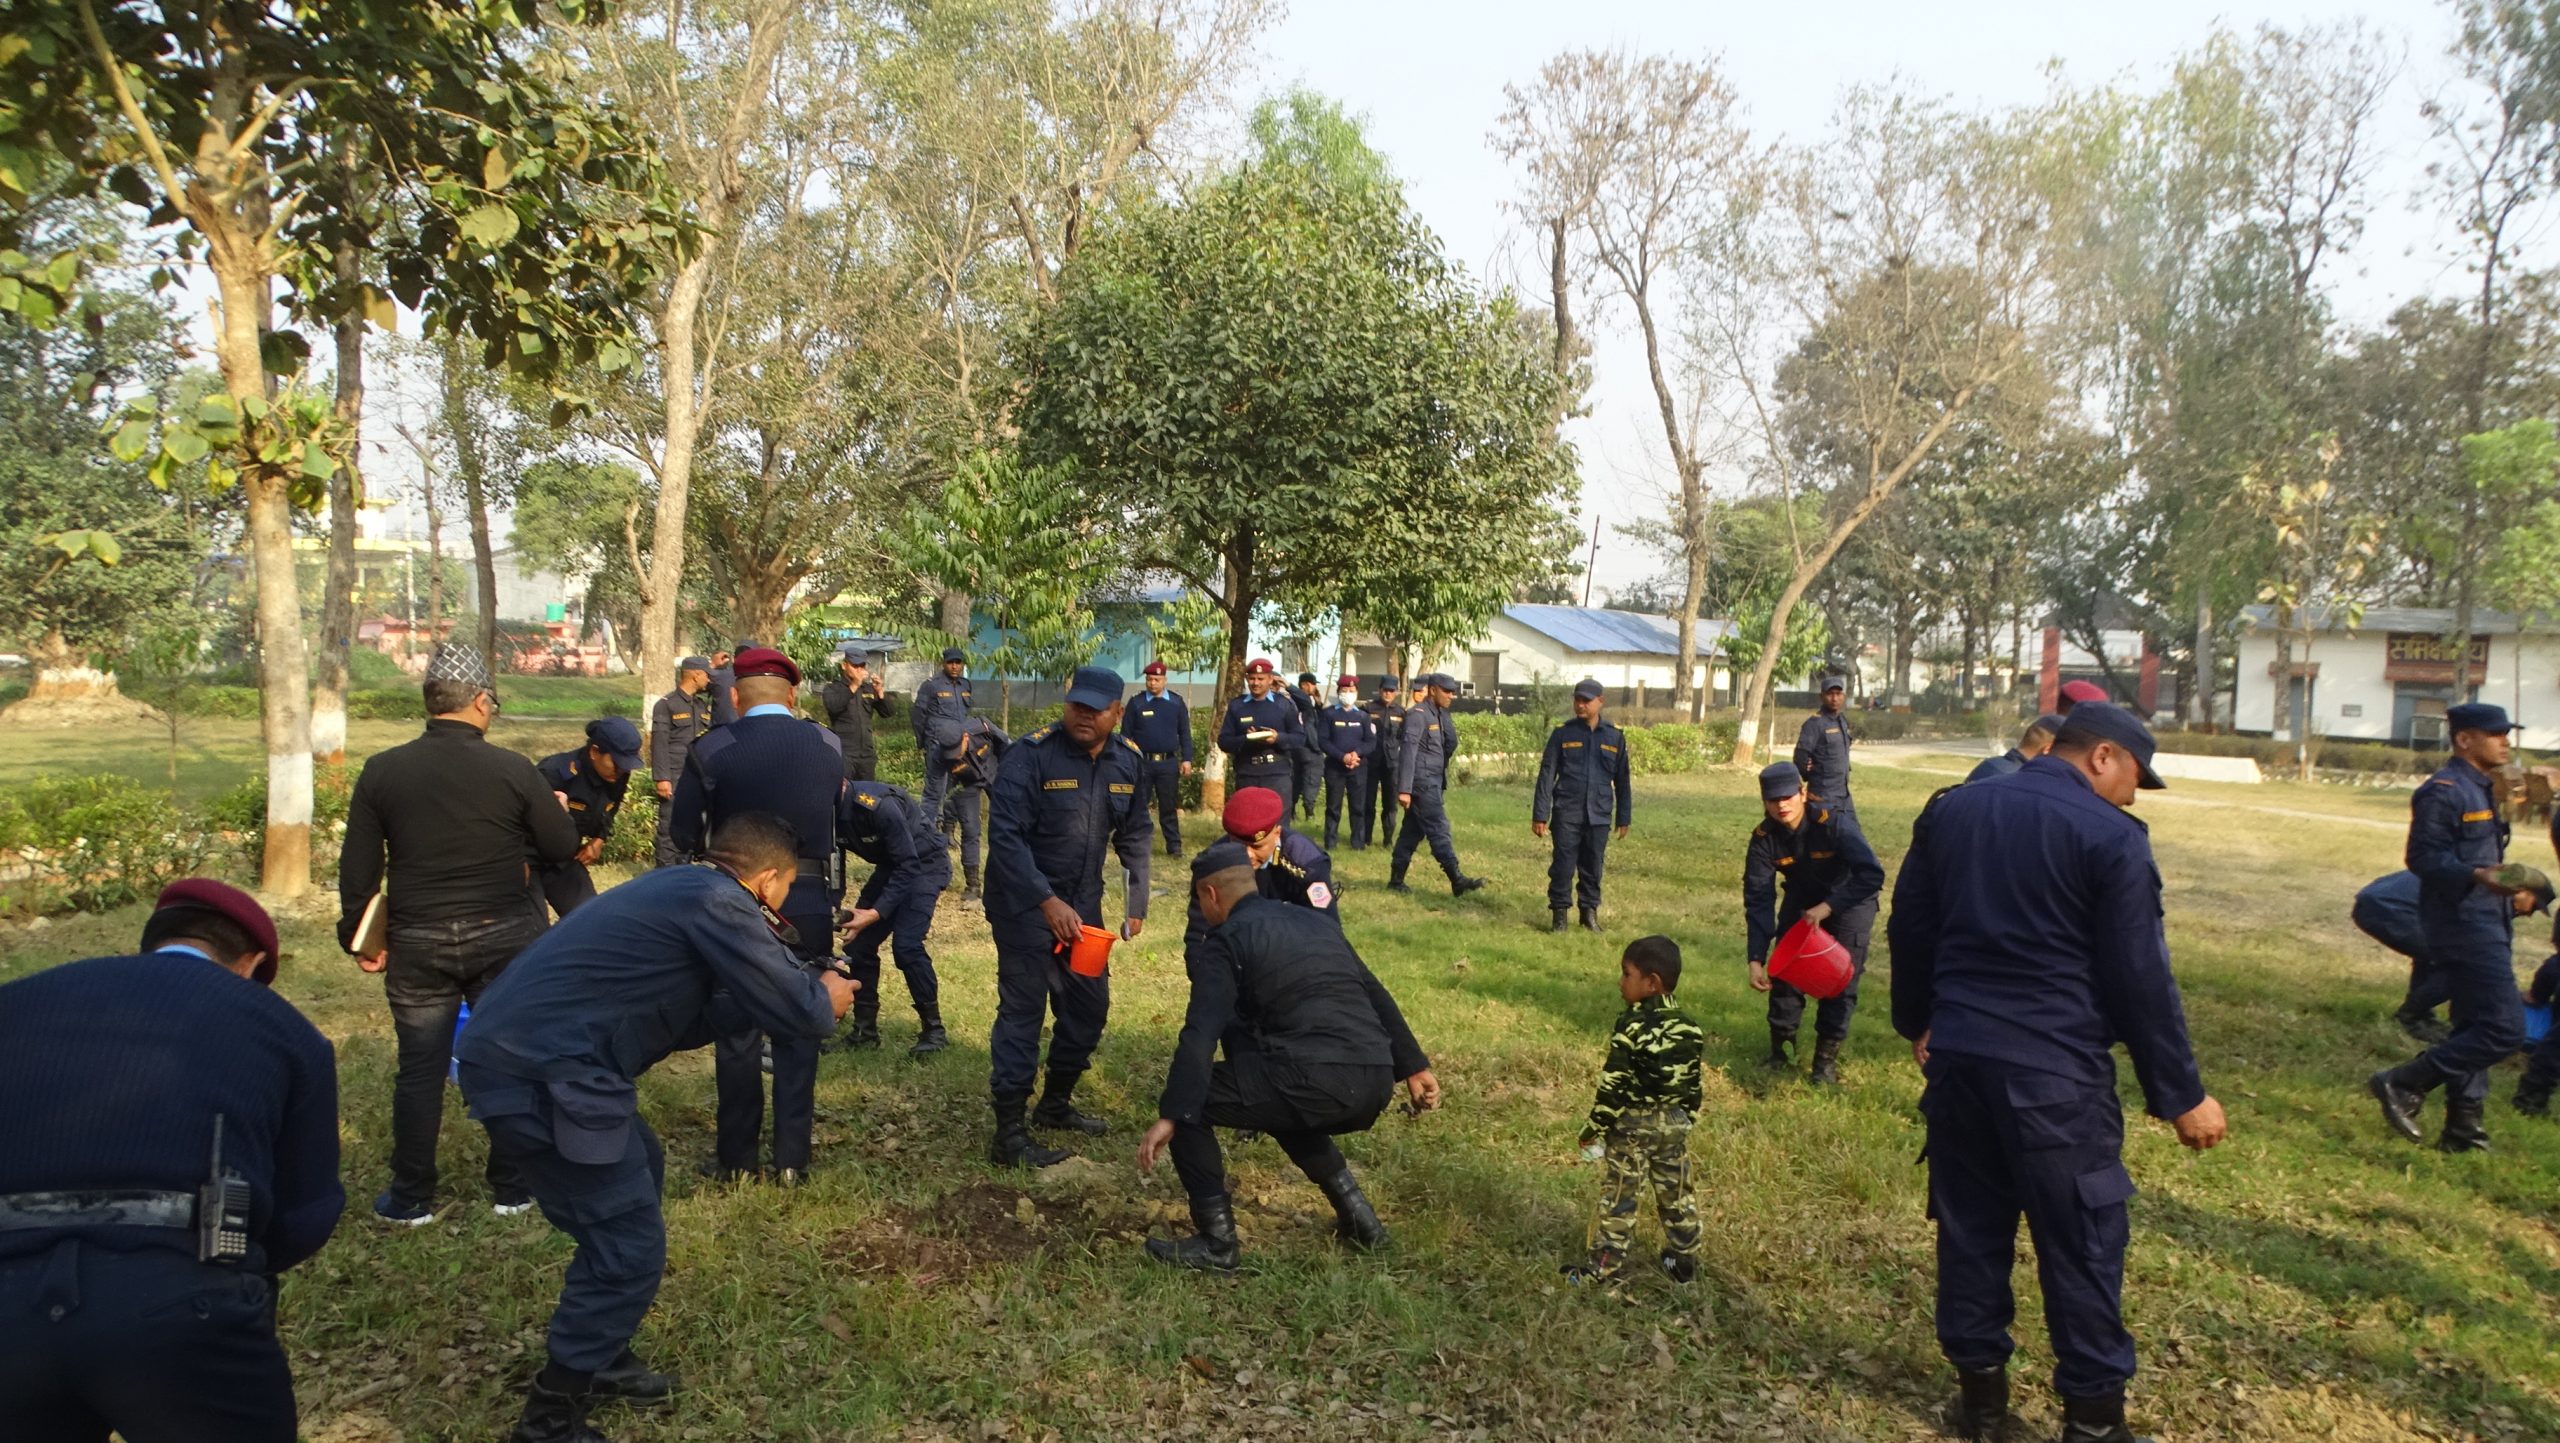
(466, 824)
(1314, 1047)
(852, 700)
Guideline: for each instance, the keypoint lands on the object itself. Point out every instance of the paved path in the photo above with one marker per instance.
(1898, 755)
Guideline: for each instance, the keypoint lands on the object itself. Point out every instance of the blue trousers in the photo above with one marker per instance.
(1579, 854)
(1163, 788)
(1303, 780)
(1281, 778)
(1032, 983)
(2488, 1013)
(1853, 929)
(150, 1343)
(737, 1077)
(905, 934)
(609, 1209)
(1427, 819)
(2006, 1142)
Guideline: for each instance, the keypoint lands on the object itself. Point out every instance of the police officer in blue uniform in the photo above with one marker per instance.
(2386, 910)
(1822, 749)
(1348, 736)
(939, 716)
(2034, 742)
(1377, 790)
(1582, 791)
(1158, 724)
(667, 961)
(724, 679)
(772, 761)
(676, 721)
(1310, 767)
(2457, 844)
(1287, 864)
(2026, 943)
(169, 1149)
(878, 823)
(1805, 861)
(1066, 798)
(591, 783)
(1263, 732)
(1430, 741)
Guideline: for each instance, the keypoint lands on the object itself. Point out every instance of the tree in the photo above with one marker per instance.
(2321, 549)
(1284, 393)
(2511, 471)
(538, 220)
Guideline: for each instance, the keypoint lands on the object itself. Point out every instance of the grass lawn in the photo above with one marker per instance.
(2314, 1277)
(214, 754)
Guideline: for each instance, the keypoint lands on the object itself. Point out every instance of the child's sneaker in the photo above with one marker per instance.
(1600, 1269)
(1679, 1268)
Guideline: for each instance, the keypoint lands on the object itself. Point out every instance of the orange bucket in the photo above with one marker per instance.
(1092, 954)
(1811, 961)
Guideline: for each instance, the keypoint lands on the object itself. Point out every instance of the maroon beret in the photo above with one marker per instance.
(1349, 682)
(1154, 668)
(1259, 666)
(765, 661)
(232, 905)
(1252, 811)
(2084, 691)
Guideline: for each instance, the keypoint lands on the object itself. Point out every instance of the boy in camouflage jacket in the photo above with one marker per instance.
(1640, 1120)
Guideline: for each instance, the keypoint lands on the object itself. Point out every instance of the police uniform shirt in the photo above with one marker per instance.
(1430, 740)
(880, 824)
(1299, 872)
(849, 715)
(2026, 927)
(676, 722)
(1823, 859)
(2454, 827)
(722, 711)
(1158, 726)
(2002, 765)
(1582, 777)
(593, 801)
(1347, 731)
(1389, 717)
(1822, 754)
(774, 762)
(941, 706)
(1054, 816)
(1270, 711)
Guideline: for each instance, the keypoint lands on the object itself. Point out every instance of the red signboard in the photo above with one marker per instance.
(2425, 657)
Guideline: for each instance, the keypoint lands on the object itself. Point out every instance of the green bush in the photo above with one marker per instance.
(633, 842)
(94, 843)
(240, 817)
(2276, 758)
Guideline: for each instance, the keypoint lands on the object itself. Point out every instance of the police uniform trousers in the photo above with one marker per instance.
(1647, 1151)
(1033, 984)
(967, 805)
(148, 1342)
(1831, 1014)
(1302, 1105)
(2488, 1012)
(1310, 764)
(1581, 853)
(2429, 988)
(1343, 786)
(567, 885)
(1377, 800)
(663, 851)
(610, 1208)
(861, 768)
(2006, 1141)
(1279, 776)
(737, 1074)
(1428, 817)
(905, 934)
(1841, 807)
(1163, 783)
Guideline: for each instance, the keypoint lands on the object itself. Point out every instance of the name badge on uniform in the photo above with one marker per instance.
(2479, 816)
(1604, 746)
(1119, 788)
(1570, 746)
(1824, 856)
(1059, 784)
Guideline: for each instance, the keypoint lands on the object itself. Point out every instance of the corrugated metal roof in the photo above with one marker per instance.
(1595, 629)
(2428, 620)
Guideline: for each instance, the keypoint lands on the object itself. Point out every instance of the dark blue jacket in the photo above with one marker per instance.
(1389, 719)
(1159, 725)
(1299, 872)
(2002, 765)
(2387, 911)
(1345, 731)
(786, 765)
(113, 1069)
(1822, 754)
(1430, 740)
(2454, 827)
(593, 801)
(941, 705)
(2026, 928)
(1825, 859)
(1054, 815)
(1582, 777)
(722, 678)
(672, 959)
(1272, 710)
(880, 824)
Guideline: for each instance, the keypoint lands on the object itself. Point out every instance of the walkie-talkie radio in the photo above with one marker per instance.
(222, 1210)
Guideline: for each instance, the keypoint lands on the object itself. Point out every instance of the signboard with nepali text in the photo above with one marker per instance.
(2425, 657)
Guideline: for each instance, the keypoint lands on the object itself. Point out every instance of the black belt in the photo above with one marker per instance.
(1162, 757)
(811, 867)
(1266, 759)
(98, 1208)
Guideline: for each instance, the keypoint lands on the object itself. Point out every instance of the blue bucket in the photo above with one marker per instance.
(453, 1068)
(2537, 1022)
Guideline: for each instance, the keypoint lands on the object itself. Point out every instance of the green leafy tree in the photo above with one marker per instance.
(2513, 471)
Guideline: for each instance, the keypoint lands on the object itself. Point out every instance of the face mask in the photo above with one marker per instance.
(1347, 698)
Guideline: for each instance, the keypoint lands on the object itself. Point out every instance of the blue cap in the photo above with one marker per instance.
(619, 740)
(2477, 716)
(1589, 689)
(1780, 779)
(1098, 687)
(1389, 683)
(1835, 683)
(953, 653)
(853, 652)
(695, 663)
(2102, 721)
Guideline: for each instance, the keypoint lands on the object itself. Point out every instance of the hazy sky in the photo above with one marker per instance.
(1427, 76)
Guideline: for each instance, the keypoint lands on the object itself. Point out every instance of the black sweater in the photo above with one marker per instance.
(462, 819)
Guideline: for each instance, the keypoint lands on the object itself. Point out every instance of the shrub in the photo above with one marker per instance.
(93, 843)
(240, 817)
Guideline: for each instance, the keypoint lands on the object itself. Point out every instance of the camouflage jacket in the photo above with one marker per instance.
(1653, 1062)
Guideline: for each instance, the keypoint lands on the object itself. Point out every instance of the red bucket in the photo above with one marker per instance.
(1092, 954)
(1811, 961)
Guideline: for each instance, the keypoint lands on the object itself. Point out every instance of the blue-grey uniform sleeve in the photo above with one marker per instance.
(1760, 894)
(1623, 775)
(692, 800)
(1809, 749)
(900, 860)
(1862, 876)
(2135, 985)
(308, 1195)
(1182, 714)
(761, 977)
(2435, 835)
(1409, 759)
(662, 725)
(1542, 794)
(1231, 732)
(1212, 1010)
(1294, 740)
(1911, 934)
(1135, 837)
(555, 832)
(1013, 873)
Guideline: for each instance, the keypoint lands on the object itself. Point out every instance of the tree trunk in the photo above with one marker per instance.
(1238, 603)
(435, 554)
(484, 564)
(1964, 677)
(1559, 287)
(338, 591)
(2200, 705)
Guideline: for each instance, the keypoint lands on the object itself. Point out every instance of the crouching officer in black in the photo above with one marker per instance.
(1810, 862)
(1065, 799)
(1582, 791)
(878, 823)
(1158, 724)
(773, 761)
(664, 962)
(591, 783)
(169, 1147)
(1314, 1048)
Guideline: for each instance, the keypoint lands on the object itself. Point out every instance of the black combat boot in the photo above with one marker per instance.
(2533, 1095)
(1057, 1109)
(1460, 884)
(1826, 1061)
(1395, 879)
(2424, 1028)
(1590, 919)
(969, 891)
(553, 1415)
(632, 1381)
(863, 1035)
(1981, 1413)
(1213, 1249)
(2463, 1131)
(1355, 1222)
(932, 1038)
(1781, 1052)
(2097, 1420)
(2402, 1091)
(1013, 1146)
(1555, 920)
(1681, 1268)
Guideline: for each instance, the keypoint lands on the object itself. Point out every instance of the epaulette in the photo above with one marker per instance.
(1042, 733)
(1132, 746)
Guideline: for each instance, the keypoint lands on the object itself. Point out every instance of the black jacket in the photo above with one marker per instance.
(1282, 980)
(462, 819)
(849, 715)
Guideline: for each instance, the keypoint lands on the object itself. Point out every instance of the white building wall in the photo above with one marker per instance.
(1526, 652)
(2351, 700)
